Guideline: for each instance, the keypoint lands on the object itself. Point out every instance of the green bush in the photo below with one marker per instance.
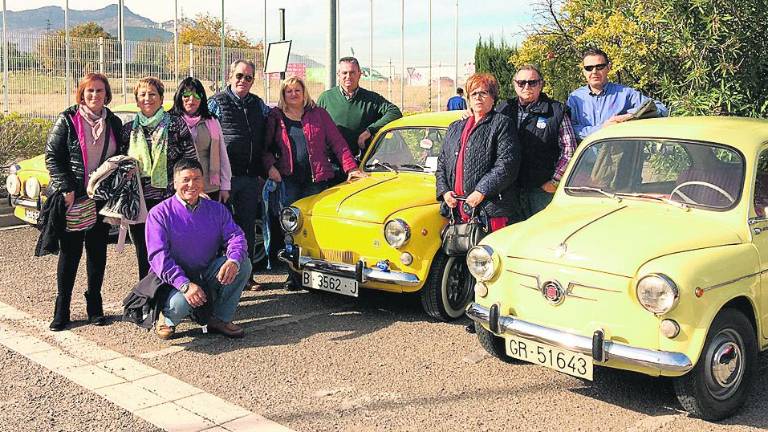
(22, 137)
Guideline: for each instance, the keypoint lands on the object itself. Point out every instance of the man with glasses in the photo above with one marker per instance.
(602, 103)
(546, 137)
(243, 115)
(357, 112)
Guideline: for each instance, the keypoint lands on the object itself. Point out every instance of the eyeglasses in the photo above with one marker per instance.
(240, 76)
(188, 94)
(599, 67)
(523, 83)
(479, 94)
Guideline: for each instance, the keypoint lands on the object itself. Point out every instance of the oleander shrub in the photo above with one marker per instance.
(21, 137)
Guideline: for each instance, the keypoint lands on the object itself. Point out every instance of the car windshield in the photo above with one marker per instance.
(695, 174)
(407, 149)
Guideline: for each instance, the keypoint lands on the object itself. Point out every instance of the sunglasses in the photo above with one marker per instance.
(599, 67)
(188, 94)
(247, 78)
(479, 94)
(523, 83)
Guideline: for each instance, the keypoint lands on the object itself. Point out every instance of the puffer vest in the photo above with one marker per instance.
(243, 126)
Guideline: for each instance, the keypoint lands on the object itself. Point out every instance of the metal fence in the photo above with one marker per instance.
(37, 79)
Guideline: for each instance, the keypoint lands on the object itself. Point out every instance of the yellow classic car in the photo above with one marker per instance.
(652, 257)
(382, 232)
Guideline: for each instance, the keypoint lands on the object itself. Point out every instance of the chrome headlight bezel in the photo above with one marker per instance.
(290, 219)
(13, 185)
(483, 262)
(397, 232)
(32, 187)
(657, 293)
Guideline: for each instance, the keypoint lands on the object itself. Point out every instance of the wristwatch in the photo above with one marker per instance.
(184, 287)
(554, 182)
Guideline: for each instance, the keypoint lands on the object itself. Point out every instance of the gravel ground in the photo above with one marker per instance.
(29, 392)
(319, 362)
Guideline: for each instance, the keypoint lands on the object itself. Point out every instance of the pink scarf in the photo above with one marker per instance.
(96, 122)
(214, 170)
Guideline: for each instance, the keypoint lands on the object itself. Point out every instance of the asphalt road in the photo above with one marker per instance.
(317, 362)
(7, 219)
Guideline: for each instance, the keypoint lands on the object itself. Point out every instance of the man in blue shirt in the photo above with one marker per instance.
(602, 103)
(457, 102)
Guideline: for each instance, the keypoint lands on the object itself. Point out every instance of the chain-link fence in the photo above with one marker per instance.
(37, 78)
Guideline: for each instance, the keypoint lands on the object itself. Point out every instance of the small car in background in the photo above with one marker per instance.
(382, 232)
(652, 258)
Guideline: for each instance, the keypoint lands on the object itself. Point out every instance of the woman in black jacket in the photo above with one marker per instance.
(480, 158)
(83, 136)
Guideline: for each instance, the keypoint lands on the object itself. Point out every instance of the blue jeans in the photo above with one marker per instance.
(176, 307)
(296, 189)
(533, 200)
(245, 199)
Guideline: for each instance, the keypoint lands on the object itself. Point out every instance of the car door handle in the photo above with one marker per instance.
(758, 230)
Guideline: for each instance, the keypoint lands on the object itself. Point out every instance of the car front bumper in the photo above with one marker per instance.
(358, 271)
(596, 347)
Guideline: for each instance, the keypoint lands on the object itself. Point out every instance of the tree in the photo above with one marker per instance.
(698, 56)
(84, 48)
(496, 60)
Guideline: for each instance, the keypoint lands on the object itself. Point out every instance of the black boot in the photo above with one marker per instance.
(60, 313)
(93, 305)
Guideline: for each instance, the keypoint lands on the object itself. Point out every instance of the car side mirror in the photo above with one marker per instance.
(426, 143)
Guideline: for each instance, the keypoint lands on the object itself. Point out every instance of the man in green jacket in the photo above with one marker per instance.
(357, 112)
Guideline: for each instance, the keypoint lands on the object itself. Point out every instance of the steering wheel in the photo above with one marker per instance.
(688, 200)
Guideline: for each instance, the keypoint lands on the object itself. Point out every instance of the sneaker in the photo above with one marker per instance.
(228, 329)
(164, 331)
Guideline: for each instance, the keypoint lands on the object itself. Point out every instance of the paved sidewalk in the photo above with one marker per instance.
(146, 392)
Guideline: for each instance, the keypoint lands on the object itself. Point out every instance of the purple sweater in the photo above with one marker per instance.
(182, 243)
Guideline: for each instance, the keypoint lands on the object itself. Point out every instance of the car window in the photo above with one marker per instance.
(761, 184)
(698, 174)
(407, 149)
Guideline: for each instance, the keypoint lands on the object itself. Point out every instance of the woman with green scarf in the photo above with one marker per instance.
(157, 140)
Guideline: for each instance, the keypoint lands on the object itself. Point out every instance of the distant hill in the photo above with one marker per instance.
(51, 18)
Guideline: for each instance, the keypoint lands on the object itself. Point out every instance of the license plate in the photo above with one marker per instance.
(31, 215)
(569, 362)
(330, 283)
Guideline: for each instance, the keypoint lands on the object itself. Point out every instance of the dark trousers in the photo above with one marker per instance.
(245, 199)
(71, 244)
(140, 242)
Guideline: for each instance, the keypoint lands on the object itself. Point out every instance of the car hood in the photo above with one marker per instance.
(614, 239)
(372, 199)
(36, 163)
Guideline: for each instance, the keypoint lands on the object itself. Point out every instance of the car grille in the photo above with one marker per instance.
(347, 257)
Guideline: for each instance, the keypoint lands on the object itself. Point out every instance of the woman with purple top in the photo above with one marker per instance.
(83, 136)
(157, 140)
(191, 104)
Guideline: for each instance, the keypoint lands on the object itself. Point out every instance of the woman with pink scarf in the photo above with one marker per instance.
(191, 104)
(83, 137)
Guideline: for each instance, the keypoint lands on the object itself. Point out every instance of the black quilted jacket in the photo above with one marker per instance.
(491, 163)
(63, 156)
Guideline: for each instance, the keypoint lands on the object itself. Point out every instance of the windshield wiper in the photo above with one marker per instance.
(386, 165)
(673, 203)
(592, 189)
(413, 165)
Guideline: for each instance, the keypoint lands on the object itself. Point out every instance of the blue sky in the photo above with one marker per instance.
(306, 23)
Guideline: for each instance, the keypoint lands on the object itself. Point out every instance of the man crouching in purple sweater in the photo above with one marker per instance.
(184, 235)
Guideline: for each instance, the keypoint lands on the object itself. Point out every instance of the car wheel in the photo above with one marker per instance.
(448, 289)
(492, 343)
(259, 253)
(719, 384)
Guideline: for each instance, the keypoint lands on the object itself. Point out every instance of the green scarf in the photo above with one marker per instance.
(153, 162)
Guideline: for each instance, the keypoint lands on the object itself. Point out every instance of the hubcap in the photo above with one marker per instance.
(457, 287)
(726, 364)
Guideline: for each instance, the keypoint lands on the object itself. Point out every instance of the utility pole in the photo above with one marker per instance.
(402, 55)
(370, 43)
(176, 40)
(429, 80)
(281, 12)
(68, 72)
(5, 64)
(223, 60)
(331, 46)
(456, 48)
(121, 23)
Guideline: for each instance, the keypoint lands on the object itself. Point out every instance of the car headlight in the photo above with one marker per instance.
(290, 219)
(32, 187)
(482, 262)
(397, 233)
(657, 293)
(13, 169)
(13, 184)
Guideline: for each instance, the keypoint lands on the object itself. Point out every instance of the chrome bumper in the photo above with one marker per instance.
(596, 347)
(358, 271)
(25, 202)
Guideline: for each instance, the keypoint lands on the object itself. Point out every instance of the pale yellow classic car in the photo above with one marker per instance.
(382, 232)
(652, 257)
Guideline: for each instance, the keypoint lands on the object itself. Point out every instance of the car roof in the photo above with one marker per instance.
(746, 134)
(132, 108)
(436, 119)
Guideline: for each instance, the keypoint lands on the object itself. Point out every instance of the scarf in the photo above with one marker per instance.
(96, 122)
(214, 168)
(153, 162)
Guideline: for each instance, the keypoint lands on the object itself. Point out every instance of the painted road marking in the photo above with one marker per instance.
(146, 392)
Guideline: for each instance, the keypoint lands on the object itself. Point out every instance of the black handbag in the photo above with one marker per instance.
(459, 237)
